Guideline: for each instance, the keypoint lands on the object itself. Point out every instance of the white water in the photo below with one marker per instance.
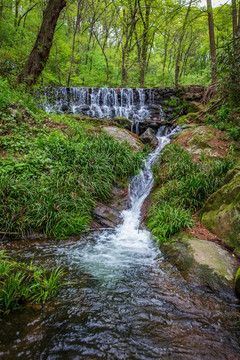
(115, 250)
(122, 301)
(102, 102)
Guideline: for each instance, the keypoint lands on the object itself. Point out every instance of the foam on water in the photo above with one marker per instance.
(117, 249)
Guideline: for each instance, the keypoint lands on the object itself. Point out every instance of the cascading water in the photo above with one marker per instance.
(116, 250)
(107, 103)
(124, 301)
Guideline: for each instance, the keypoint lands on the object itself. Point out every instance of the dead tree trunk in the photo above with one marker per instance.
(41, 49)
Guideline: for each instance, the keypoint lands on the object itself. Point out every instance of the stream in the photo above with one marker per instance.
(124, 302)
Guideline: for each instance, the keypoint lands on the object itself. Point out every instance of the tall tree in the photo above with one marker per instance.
(212, 42)
(41, 49)
(180, 43)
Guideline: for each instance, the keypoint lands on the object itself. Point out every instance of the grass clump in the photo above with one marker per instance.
(183, 188)
(227, 119)
(22, 283)
(52, 171)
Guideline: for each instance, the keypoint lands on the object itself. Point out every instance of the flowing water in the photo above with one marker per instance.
(103, 102)
(125, 300)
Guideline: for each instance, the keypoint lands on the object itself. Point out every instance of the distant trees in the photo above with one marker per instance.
(115, 42)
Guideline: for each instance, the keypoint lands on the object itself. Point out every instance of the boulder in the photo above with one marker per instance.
(202, 262)
(148, 137)
(200, 143)
(221, 212)
(123, 135)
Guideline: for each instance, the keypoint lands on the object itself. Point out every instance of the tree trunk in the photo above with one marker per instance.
(41, 49)
(73, 44)
(212, 42)
(145, 40)
(177, 67)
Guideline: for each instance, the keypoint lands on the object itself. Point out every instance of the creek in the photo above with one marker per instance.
(125, 301)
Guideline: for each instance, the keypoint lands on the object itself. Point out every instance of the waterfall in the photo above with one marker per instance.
(131, 103)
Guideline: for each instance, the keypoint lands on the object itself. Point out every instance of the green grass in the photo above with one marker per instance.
(22, 283)
(183, 188)
(227, 119)
(51, 178)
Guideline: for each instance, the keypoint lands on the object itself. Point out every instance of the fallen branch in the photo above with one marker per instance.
(215, 105)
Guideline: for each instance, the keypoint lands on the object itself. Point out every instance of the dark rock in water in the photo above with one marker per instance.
(148, 137)
(106, 216)
(85, 108)
(109, 215)
(64, 107)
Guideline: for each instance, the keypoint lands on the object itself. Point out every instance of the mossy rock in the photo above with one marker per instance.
(221, 212)
(237, 282)
(123, 135)
(195, 107)
(203, 262)
(201, 137)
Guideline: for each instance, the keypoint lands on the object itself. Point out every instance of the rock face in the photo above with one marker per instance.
(148, 137)
(124, 135)
(221, 212)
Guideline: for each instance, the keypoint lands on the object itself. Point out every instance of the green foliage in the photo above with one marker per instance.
(50, 179)
(224, 121)
(21, 283)
(229, 63)
(167, 219)
(184, 188)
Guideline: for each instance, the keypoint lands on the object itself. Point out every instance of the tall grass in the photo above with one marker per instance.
(183, 188)
(50, 180)
(22, 283)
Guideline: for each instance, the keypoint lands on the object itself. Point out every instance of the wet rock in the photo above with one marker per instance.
(221, 212)
(64, 107)
(204, 262)
(109, 215)
(85, 108)
(148, 137)
(123, 135)
(106, 216)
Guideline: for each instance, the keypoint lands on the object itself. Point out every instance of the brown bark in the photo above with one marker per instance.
(212, 42)
(41, 49)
